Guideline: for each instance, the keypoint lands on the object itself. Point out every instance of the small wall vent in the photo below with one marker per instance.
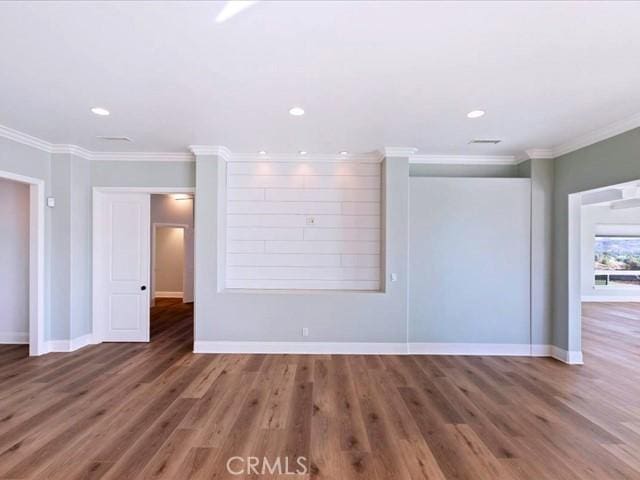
(111, 138)
(482, 141)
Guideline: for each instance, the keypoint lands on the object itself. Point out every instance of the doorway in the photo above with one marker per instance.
(604, 269)
(22, 257)
(143, 252)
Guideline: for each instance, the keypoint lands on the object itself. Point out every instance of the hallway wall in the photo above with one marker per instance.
(14, 262)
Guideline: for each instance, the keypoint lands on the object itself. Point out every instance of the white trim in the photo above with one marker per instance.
(373, 157)
(24, 139)
(162, 190)
(610, 298)
(53, 148)
(142, 157)
(464, 159)
(570, 357)
(383, 348)
(507, 349)
(536, 153)
(169, 294)
(399, 151)
(598, 135)
(70, 345)
(71, 150)
(14, 338)
(217, 150)
(36, 260)
(359, 348)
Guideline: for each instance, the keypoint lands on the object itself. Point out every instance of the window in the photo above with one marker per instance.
(617, 261)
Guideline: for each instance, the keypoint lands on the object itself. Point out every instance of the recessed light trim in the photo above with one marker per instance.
(262, 152)
(476, 114)
(296, 111)
(103, 112)
(303, 152)
(344, 152)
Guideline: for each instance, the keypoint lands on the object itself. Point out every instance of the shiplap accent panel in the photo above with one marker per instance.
(303, 225)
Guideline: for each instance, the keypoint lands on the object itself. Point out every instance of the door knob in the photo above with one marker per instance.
(143, 287)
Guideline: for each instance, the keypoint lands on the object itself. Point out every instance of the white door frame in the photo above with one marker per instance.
(574, 271)
(97, 221)
(154, 227)
(36, 260)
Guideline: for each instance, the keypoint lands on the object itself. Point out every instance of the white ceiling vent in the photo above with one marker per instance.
(485, 141)
(111, 138)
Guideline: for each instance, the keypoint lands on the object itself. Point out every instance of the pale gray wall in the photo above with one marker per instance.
(612, 161)
(142, 174)
(169, 259)
(279, 317)
(71, 244)
(24, 160)
(14, 260)
(426, 170)
(469, 260)
(602, 220)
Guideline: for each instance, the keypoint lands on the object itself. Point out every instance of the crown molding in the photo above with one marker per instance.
(597, 135)
(24, 138)
(143, 156)
(217, 150)
(371, 157)
(463, 159)
(534, 153)
(399, 151)
(71, 150)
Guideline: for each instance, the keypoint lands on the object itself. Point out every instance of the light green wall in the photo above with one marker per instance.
(605, 163)
(490, 171)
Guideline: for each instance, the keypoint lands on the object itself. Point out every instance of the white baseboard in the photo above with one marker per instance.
(70, 345)
(570, 357)
(381, 348)
(610, 298)
(14, 337)
(357, 348)
(169, 294)
(506, 349)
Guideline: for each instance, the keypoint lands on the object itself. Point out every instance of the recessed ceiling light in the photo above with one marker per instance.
(103, 112)
(475, 114)
(296, 111)
(232, 8)
(344, 152)
(302, 152)
(262, 152)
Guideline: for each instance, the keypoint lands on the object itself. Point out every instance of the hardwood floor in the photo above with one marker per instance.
(156, 410)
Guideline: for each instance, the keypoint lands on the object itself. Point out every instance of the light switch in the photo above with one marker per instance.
(51, 202)
(394, 277)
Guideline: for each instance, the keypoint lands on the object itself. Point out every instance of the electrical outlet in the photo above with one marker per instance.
(311, 220)
(305, 332)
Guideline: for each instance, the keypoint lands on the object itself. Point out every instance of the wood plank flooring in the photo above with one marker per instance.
(158, 411)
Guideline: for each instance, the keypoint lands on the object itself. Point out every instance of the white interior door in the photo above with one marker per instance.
(124, 251)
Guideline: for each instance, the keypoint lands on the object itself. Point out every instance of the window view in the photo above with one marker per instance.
(617, 261)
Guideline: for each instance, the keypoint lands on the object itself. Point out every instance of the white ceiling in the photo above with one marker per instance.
(369, 74)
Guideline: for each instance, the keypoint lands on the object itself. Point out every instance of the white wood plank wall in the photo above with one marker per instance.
(303, 225)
